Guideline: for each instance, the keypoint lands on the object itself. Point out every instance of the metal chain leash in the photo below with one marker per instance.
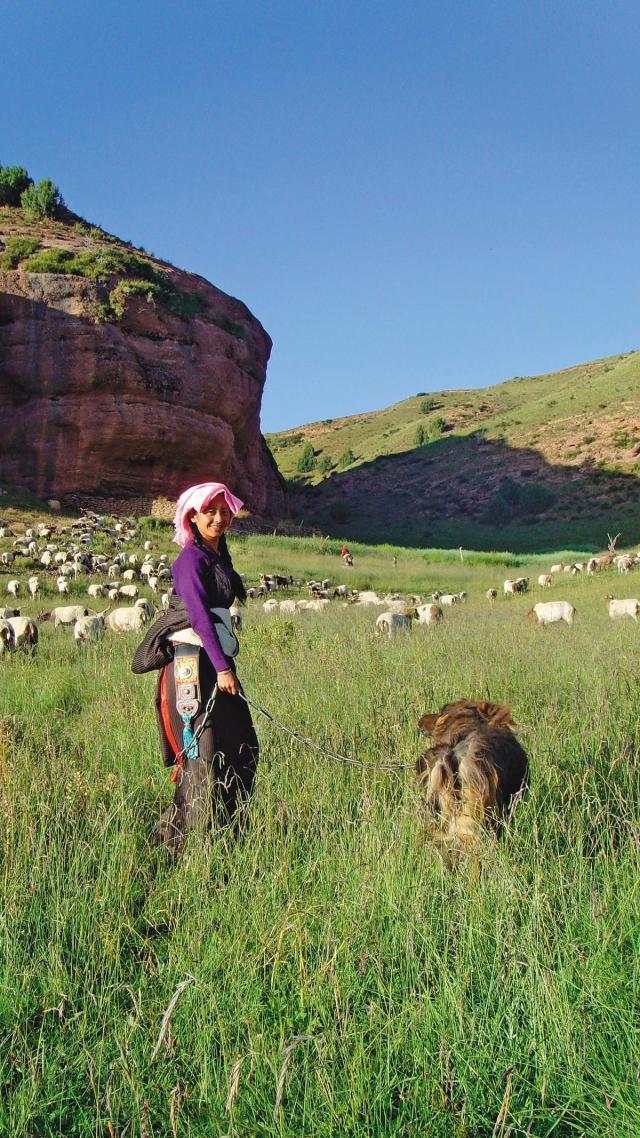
(393, 768)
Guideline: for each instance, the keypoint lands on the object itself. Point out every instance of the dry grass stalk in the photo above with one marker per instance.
(167, 1015)
(287, 1052)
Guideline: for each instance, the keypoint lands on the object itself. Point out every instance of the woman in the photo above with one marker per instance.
(216, 774)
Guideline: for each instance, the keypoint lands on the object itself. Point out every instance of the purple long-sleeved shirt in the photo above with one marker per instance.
(192, 580)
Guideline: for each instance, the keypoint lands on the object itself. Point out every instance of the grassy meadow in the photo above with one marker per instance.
(332, 977)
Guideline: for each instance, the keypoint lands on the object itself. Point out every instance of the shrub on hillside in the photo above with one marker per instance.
(326, 464)
(14, 180)
(307, 460)
(436, 427)
(428, 405)
(346, 459)
(16, 250)
(41, 200)
(420, 437)
(512, 500)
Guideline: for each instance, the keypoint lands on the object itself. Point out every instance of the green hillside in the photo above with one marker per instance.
(533, 463)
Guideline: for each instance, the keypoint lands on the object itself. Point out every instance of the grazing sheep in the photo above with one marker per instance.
(316, 605)
(390, 623)
(551, 612)
(89, 627)
(592, 566)
(368, 597)
(450, 599)
(618, 609)
(290, 608)
(127, 619)
(96, 591)
(25, 631)
(271, 605)
(491, 594)
(7, 638)
(508, 588)
(6, 613)
(147, 605)
(130, 591)
(625, 564)
(33, 586)
(429, 614)
(544, 580)
(340, 591)
(235, 612)
(62, 584)
(66, 614)
(559, 568)
(129, 575)
(164, 600)
(7, 558)
(13, 588)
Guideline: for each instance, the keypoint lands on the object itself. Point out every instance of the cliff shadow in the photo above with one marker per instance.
(476, 492)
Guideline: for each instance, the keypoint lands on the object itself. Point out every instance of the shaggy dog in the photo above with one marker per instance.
(473, 769)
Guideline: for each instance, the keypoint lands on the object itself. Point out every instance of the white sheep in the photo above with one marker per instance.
(130, 591)
(89, 627)
(147, 605)
(271, 605)
(13, 588)
(129, 575)
(7, 638)
(429, 613)
(491, 594)
(235, 612)
(96, 591)
(67, 614)
(391, 623)
(25, 631)
(551, 612)
(33, 586)
(544, 580)
(618, 609)
(62, 584)
(450, 599)
(127, 619)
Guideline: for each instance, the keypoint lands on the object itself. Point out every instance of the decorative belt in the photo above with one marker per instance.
(186, 671)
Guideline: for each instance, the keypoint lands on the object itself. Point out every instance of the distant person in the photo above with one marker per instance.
(346, 556)
(194, 645)
(395, 561)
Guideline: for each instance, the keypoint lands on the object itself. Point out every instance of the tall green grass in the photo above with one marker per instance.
(338, 980)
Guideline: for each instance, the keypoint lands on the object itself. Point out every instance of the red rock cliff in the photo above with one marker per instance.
(136, 405)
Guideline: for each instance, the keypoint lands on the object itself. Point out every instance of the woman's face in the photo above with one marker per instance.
(214, 521)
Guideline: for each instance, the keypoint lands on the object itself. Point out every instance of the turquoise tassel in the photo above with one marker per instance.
(190, 745)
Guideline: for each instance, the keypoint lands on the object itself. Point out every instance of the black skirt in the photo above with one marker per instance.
(215, 786)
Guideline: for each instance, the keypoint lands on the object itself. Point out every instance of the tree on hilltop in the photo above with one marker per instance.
(42, 200)
(14, 180)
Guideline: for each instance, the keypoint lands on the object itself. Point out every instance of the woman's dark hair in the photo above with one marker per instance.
(225, 557)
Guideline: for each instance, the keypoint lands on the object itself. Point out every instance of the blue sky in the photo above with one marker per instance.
(409, 196)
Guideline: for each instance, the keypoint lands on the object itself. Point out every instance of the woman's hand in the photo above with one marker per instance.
(228, 682)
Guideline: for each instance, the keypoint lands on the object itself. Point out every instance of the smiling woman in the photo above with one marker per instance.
(215, 756)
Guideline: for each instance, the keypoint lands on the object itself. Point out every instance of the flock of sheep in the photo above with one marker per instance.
(64, 553)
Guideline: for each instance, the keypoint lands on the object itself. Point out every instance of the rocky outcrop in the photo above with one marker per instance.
(133, 406)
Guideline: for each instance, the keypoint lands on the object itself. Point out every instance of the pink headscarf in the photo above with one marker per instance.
(196, 498)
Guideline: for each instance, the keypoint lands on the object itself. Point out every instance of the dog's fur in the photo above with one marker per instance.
(473, 769)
